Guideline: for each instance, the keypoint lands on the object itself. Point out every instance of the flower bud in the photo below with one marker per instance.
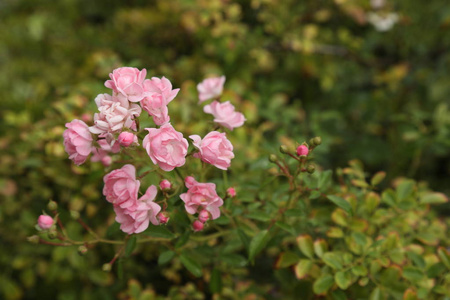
(52, 235)
(231, 192)
(106, 160)
(125, 139)
(163, 218)
(106, 267)
(317, 140)
(82, 250)
(34, 239)
(284, 149)
(52, 205)
(273, 158)
(302, 150)
(45, 222)
(197, 226)
(310, 169)
(203, 216)
(165, 185)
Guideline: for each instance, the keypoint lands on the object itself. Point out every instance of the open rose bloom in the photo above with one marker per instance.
(210, 88)
(225, 115)
(214, 149)
(77, 141)
(128, 82)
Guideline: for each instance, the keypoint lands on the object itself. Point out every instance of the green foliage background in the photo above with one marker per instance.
(296, 69)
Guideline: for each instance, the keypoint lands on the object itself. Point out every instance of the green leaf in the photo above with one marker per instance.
(324, 179)
(417, 259)
(165, 257)
(333, 260)
(244, 238)
(338, 295)
(315, 195)
(305, 244)
(377, 178)
(293, 212)
(405, 189)
(302, 268)
(436, 270)
(183, 239)
(413, 274)
(376, 294)
(433, 198)
(444, 256)
(341, 202)
(215, 283)
(234, 260)
(286, 259)
(190, 264)
(131, 245)
(286, 227)
(360, 238)
(258, 242)
(160, 232)
(343, 279)
(260, 216)
(359, 270)
(323, 284)
(320, 247)
(388, 197)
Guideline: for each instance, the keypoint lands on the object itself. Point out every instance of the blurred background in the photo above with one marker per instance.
(372, 78)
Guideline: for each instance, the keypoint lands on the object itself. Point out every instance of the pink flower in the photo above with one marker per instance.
(165, 185)
(121, 187)
(45, 222)
(163, 218)
(210, 88)
(161, 86)
(231, 192)
(102, 154)
(302, 150)
(126, 139)
(203, 216)
(197, 226)
(156, 106)
(77, 141)
(115, 113)
(201, 195)
(128, 82)
(166, 147)
(137, 219)
(224, 114)
(214, 149)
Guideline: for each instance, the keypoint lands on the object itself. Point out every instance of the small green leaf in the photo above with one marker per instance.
(376, 294)
(433, 198)
(305, 244)
(244, 238)
(377, 178)
(341, 202)
(286, 259)
(234, 260)
(324, 179)
(360, 238)
(160, 232)
(343, 279)
(260, 216)
(183, 239)
(323, 284)
(165, 257)
(215, 283)
(388, 197)
(293, 212)
(190, 264)
(320, 247)
(359, 270)
(333, 260)
(417, 259)
(405, 189)
(413, 274)
(302, 268)
(286, 227)
(444, 256)
(435, 270)
(258, 242)
(360, 183)
(338, 295)
(131, 245)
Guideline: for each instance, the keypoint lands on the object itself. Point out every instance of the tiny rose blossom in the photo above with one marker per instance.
(210, 88)
(201, 195)
(231, 192)
(166, 147)
(137, 219)
(126, 139)
(302, 150)
(161, 86)
(224, 114)
(163, 218)
(197, 226)
(214, 149)
(128, 82)
(45, 222)
(121, 187)
(165, 185)
(77, 141)
(156, 106)
(203, 216)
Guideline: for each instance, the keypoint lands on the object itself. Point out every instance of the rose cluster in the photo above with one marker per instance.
(116, 126)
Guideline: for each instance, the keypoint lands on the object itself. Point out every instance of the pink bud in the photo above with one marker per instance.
(86, 118)
(231, 192)
(203, 216)
(163, 218)
(45, 222)
(197, 225)
(126, 138)
(106, 160)
(165, 185)
(302, 150)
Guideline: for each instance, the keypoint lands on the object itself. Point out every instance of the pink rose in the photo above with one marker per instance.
(201, 195)
(77, 141)
(203, 216)
(45, 222)
(165, 184)
(128, 82)
(161, 86)
(102, 154)
(210, 88)
(231, 192)
(163, 217)
(115, 113)
(224, 114)
(156, 106)
(214, 149)
(197, 226)
(137, 219)
(121, 187)
(126, 139)
(302, 150)
(166, 147)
